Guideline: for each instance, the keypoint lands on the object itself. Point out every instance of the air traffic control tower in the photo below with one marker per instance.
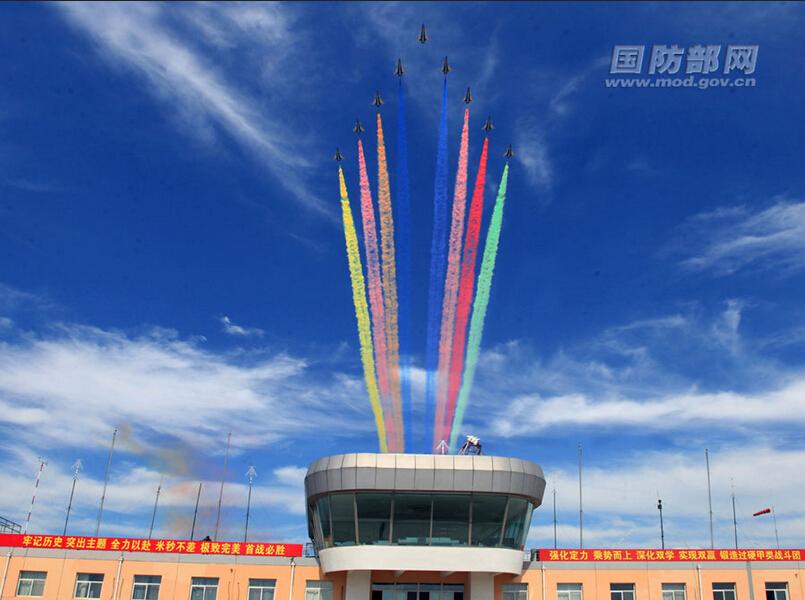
(421, 519)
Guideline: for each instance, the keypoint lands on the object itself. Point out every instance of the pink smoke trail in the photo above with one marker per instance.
(375, 295)
(389, 284)
(466, 286)
(451, 283)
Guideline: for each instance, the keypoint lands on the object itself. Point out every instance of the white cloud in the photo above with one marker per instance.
(620, 498)
(531, 151)
(72, 387)
(140, 37)
(238, 330)
(728, 240)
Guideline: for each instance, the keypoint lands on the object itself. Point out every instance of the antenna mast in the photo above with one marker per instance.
(77, 466)
(42, 463)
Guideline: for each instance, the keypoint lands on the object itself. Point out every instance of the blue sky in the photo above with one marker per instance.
(173, 263)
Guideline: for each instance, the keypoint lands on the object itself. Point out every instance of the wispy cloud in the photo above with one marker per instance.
(152, 41)
(72, 386)
(232, 328)
(532, 152)
(731, 239)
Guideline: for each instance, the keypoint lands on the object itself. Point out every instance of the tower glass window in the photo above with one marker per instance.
(342, 509)
(487, 520)
(374, 518)
(412, 519)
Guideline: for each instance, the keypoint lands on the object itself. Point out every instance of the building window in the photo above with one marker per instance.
(515, 591)
(621, 591)
(451, 520)
(31, 583)
(777, 591)
(673, 591)
(88, 585)
(318, 590)
(342, 511)
(204, 588)
(723, 591)
(262, 589)
(146, 587)
(568, 591)
(487, 520)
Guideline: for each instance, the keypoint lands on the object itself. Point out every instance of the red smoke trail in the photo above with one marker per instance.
(451, 283)
(465, 289)
(375, 296)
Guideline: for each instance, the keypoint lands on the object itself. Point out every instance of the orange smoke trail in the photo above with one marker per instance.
(451, 283)
(389, 284)
(376, 296)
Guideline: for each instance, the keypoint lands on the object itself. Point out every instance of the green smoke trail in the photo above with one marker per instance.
(479, 306)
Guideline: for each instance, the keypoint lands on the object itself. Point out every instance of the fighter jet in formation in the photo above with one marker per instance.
(358, 127)
(378, 101)
(338, 156)
(488, 125)
(467, 97)
(399, 70)
(423, 35)
(445, 66)
(509, 152)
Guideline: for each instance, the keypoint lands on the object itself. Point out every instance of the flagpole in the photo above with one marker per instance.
(581, 511)
(554, 518)
(774, 519)
(709, 495)
(734, 517)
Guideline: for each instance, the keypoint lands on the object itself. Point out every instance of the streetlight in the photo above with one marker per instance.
(662, 529)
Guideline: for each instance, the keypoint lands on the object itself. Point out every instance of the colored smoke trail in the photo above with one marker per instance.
(480, 305)
(389, 284)
(466, 286)
(403, 204)
(451, 284)
(437, 269)
(375, 293)
(361, 312)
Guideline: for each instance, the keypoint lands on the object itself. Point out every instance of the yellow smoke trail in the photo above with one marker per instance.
(361, 312)
(389, 284)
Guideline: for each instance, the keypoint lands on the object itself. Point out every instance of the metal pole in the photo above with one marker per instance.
(554, 517)
(774, 518)
(662, 528)
(251, 473)
(76, 468)
(156, 502)
(42, 463)
(709, 495)
(734, 517)
(195, 512)
(581, 511)
(105, 482)
(221, 493)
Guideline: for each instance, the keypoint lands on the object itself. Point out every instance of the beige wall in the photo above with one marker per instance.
(649, 577)
(234, 575)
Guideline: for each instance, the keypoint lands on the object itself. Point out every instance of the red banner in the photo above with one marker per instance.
(116, 544)
(668, 555)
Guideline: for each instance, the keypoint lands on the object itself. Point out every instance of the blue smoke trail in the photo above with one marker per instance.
(403, 205)
(438, 265)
